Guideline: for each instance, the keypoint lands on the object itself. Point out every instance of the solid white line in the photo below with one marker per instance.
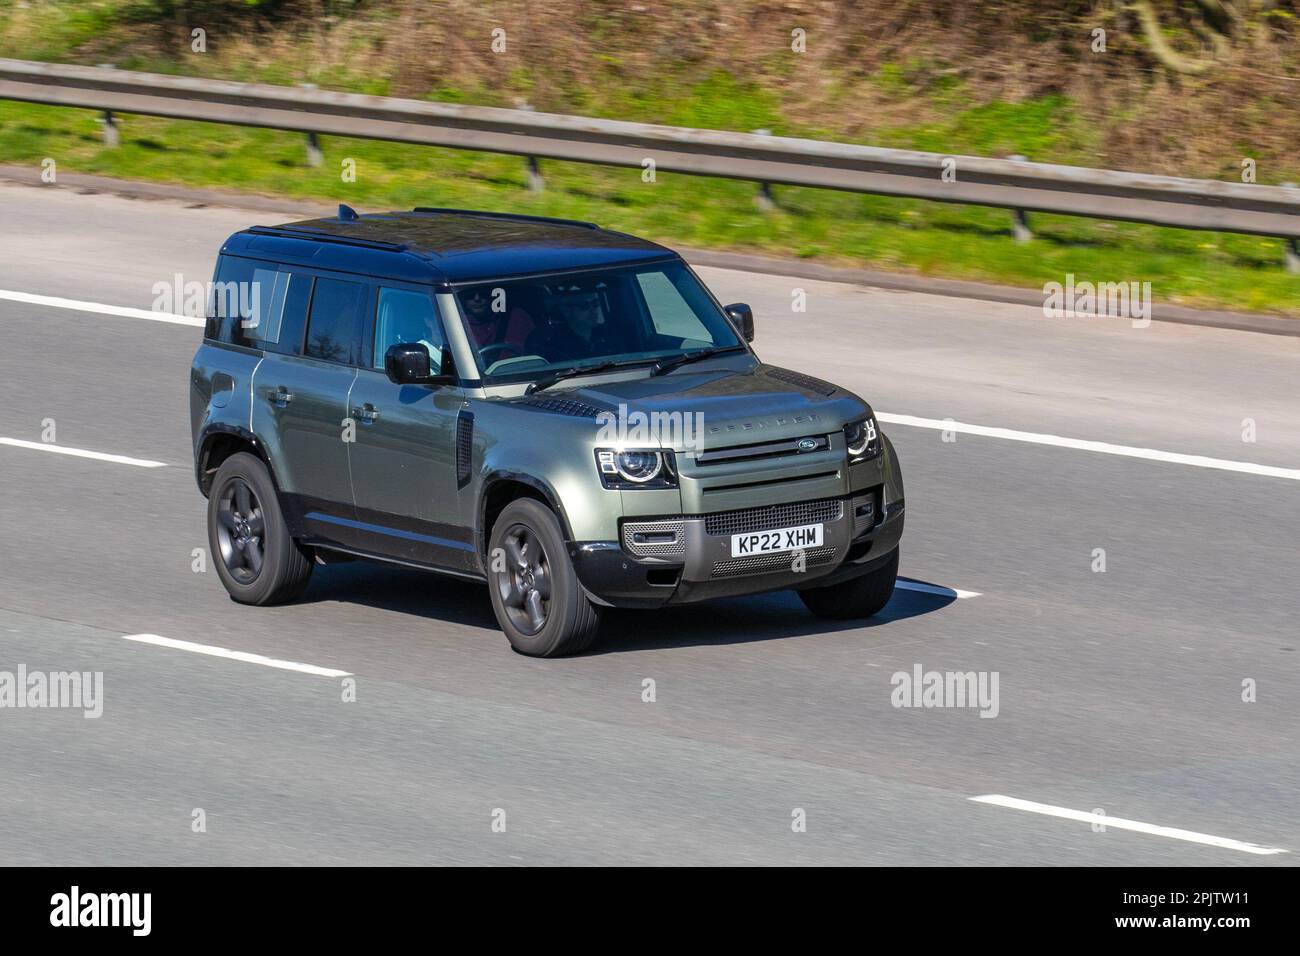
(98, 307)
(935, 589)
(1078, 444)
(1082, 816)
(247, 658)
(82, 453)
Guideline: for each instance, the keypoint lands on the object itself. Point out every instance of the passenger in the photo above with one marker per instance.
(489, 328)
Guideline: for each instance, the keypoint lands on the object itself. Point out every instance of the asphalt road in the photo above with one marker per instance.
(1118, 691)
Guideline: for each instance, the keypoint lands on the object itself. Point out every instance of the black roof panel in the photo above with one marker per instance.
(459, 245)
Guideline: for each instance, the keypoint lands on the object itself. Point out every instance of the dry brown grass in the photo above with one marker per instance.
(641, 58)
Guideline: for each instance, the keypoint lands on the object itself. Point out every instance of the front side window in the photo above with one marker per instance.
(334, 325)
(522, 328)
(404, 317)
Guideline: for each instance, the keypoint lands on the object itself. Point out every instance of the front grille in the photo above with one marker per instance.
(783, 561)
(762, 450)
(773, 516)
(650, 539)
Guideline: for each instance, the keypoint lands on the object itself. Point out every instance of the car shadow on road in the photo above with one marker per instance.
(778, 615)
(404, 590)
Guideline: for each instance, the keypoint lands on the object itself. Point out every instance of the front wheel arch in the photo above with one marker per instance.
(501, 487)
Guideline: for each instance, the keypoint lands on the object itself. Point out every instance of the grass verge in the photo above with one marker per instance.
(1210, 270)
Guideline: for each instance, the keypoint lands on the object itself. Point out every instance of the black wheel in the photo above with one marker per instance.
(857, 597)
(535, 591)
(256, 559)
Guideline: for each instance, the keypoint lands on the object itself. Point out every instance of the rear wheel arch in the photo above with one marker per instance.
(218, 444)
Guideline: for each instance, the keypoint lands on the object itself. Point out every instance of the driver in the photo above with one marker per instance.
(496, 328)
(577, 334)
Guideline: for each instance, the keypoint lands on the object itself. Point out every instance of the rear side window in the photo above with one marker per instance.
(334, 326)
(255, 305)
(230, 303)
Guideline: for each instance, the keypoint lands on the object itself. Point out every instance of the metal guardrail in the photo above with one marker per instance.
(1007, 183)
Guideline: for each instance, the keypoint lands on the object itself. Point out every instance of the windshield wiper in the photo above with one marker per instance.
(577, 370)
(662, 368)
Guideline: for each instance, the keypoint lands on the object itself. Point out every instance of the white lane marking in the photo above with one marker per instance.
(1009, 434)
(1105, 448)
(98, 307)
(1082, 816)
(230, 655)
(935, 589)
(82, 453)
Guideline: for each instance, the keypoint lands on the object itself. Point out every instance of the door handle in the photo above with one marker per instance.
(280, 396)
(367, 413)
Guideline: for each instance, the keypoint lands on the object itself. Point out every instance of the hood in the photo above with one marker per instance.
(715, 407)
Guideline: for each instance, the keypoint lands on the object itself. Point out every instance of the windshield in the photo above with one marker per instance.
(526, 328)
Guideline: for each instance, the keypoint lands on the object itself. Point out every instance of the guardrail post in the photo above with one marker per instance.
(1291, 247)
(112, 136)
(535, 181)
(314, 154)
(533, 169)
(765, 200)
(1019, 221)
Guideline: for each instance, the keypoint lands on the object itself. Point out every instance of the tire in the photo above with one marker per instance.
(255, 556)
(535, 593)
(857, 597)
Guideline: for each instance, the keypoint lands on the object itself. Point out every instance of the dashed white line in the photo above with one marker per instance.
(213, 651)
(965, 428)
(1079, 444)
(82, 453)
(935, 589)
(99, 308)
(1119, 823)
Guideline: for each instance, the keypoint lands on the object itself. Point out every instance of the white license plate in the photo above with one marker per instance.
(776, 540)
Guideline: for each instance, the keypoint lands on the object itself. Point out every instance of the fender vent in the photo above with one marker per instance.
(562, 406)
(464, 447)
(801, 380)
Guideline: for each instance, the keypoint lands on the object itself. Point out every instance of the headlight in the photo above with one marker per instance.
(635, 468)
(862, 439)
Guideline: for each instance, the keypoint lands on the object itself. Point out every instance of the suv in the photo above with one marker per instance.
(560, 411)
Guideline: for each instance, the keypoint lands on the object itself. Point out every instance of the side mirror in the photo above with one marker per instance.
(407, 363)
(742, 317)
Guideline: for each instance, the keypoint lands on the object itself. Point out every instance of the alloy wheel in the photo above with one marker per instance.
(525, 584)
(241, 531)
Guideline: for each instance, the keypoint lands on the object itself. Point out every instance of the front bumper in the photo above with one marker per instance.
(679, 559)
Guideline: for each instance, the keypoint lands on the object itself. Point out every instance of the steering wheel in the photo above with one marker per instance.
(488, 353)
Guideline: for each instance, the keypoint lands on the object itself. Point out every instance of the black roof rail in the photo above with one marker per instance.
(320, 235)
(506, 215)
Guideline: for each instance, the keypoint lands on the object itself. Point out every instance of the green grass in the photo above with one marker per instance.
(1202, 269)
